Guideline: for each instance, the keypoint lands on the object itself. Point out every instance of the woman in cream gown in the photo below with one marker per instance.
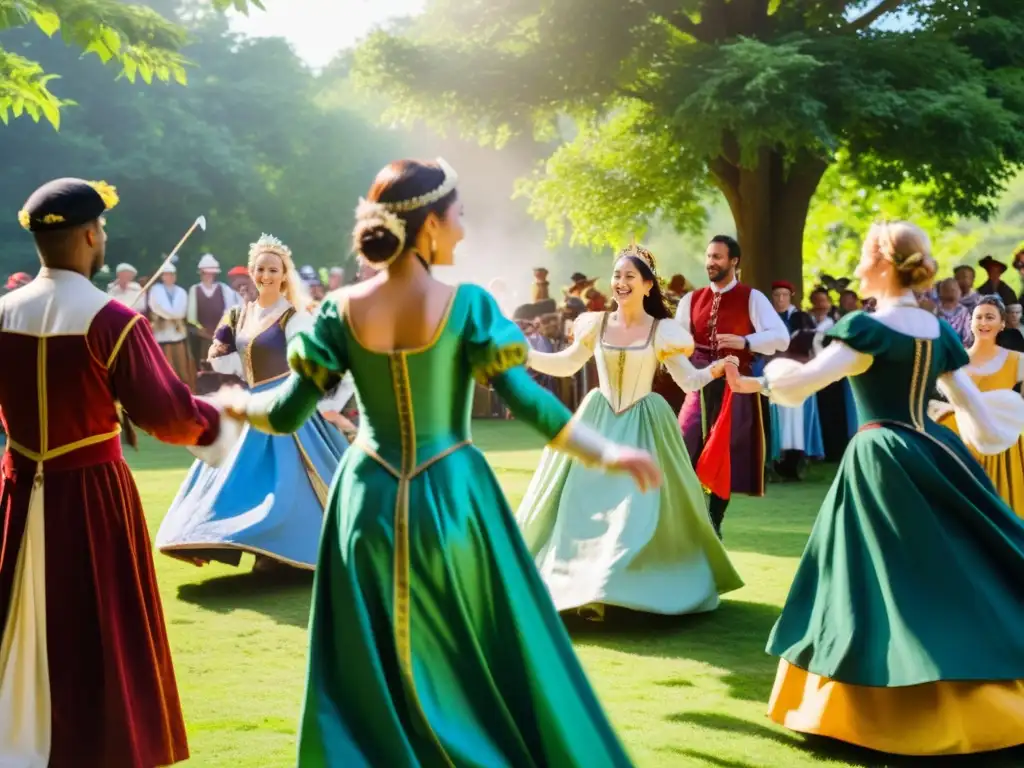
(596, 541)
(903, 631)
(992, 369)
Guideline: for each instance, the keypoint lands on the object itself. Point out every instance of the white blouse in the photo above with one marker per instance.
(990, 422)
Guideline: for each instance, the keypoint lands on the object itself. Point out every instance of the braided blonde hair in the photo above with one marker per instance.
(909, 249)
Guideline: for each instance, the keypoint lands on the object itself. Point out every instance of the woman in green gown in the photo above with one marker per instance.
(903, 631)
(433, 639)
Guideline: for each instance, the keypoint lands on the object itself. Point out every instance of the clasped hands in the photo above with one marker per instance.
(741, 385)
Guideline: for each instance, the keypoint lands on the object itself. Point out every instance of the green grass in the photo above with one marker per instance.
(685, 691)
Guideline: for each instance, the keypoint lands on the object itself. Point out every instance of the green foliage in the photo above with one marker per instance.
(843, 209)
(751, 96)
(245, 144)
(140, 40)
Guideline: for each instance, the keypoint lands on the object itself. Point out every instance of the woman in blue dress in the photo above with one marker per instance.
(268, 498)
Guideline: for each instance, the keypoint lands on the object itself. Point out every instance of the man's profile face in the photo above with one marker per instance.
(99, 245)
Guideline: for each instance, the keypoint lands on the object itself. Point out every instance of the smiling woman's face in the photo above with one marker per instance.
(268, 274)
(628, 285)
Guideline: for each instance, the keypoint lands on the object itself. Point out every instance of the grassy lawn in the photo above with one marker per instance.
(682, 692)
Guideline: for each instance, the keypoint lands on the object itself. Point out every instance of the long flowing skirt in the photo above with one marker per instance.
(267, 498)
(597, 539)
(904, 628)
(433, 639)
(112, 696)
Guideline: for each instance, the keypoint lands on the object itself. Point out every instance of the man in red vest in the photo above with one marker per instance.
(729, 318)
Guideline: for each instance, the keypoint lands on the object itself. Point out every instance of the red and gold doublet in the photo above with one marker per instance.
(86, 679)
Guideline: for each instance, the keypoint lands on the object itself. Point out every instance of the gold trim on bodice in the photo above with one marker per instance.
(919, 382)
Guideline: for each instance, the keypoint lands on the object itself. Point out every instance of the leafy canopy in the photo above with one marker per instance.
(143, 42)
(668, 98)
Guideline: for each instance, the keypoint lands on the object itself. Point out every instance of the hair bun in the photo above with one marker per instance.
(917, 270)
(376, 243)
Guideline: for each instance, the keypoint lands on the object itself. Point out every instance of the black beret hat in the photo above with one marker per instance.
(66, 203)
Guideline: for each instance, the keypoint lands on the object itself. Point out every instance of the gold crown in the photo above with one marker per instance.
(637, 250)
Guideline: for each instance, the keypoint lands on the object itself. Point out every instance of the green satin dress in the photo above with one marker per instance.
(433, 641)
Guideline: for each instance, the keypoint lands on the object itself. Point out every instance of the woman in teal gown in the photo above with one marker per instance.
(903, 631)
(433, 641)
(596, 541)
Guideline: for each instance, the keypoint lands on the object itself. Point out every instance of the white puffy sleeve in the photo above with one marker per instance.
(674, 345)
(567, 362)
(789, 383)
(230, 363)
(990, 422)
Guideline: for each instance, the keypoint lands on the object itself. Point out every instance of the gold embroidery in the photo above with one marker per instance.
(120, 340)
(47, 455)
(53, 218)
(398, 364)
(503, 359)
(320, 488)
(919, 382)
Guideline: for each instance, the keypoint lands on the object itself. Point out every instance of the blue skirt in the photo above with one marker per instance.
(267, 498)
(814, 444)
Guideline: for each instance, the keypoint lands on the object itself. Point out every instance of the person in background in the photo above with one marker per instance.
(993, 368)
(795, 432)
(848, 302)
(335, 278)
(870, 304)
(168, 304)
(18, 280)
(1012, 337)
(822, 308)
(951, 309)
(241, 283)
(964, 276)
(995, 286)
(126, 289)
(729, 318)
(208, 301)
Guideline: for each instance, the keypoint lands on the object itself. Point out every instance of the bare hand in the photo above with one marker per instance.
(641, 466)
(217, 349)
(731, 341)
(233, 400)
(745, 385)
(719, 366)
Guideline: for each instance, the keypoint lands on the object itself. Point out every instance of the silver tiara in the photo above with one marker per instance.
(270, 244)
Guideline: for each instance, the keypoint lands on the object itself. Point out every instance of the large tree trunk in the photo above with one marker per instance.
(769, 204)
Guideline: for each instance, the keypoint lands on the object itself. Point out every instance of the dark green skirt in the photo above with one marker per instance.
(914, 571)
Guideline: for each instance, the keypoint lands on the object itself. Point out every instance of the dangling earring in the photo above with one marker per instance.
(433, 250)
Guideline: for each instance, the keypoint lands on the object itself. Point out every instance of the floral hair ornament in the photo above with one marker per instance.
(638, 251)
(107, 193)
(270, 244)
(370, 215)
(447, 186)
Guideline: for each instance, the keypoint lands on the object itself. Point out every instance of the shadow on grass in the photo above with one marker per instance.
(731, 638)
(709, 759)
(828, 750)
(284, 596)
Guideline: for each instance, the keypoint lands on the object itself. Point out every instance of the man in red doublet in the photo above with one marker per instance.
(86, 679)
(729, 318)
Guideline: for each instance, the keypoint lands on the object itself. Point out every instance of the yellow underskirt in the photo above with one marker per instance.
(943, 718)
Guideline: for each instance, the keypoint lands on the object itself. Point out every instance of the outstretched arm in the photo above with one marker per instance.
(789, 383)
(575, 356)
(157, 401)
(990, 422)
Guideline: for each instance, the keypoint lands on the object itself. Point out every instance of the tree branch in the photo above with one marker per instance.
(868, 18)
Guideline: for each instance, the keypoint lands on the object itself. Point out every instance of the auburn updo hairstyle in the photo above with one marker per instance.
(909, 249)
(374, 237)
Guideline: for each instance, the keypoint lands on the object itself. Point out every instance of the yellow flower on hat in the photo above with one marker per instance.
(107, 192)
(24, 219)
